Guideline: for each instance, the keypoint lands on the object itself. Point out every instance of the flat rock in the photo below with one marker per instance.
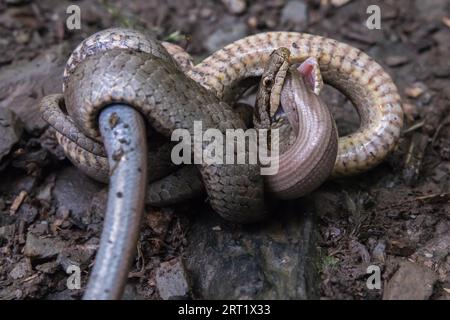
(74, 191)
(24, 83)
(410, 282)
(172, 280)
(39, 247)
(10, 131)
(48, 267)
(431, 10)
(225, 34)
(295, 14)
(20, 270)
(271, 260)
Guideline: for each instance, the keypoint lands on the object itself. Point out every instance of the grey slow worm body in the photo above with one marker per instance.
(123, 66)
(123, 131)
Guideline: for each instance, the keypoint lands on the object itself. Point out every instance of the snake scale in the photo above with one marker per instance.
(121, 65)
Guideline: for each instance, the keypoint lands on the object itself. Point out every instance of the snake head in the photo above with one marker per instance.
(272, 79)
(269, 111)
(310, 72)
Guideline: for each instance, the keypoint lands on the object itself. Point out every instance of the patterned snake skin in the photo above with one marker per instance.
(137, 70)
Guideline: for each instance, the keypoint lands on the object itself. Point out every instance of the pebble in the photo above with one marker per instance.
(415, 90)
(74, 191)
(378, 253)
(295, 13)
(411, 111)
(20, 270)
(48, 267)
(235, 6)
(172, 281)
(11, 130)
(397, 61)
(42, 247)
(159, 220)
(410, 282)
(7, 232)
(339, 3)
(225, 35)
(446, 21)
(252, 22)
(431, 10)
(401, 247)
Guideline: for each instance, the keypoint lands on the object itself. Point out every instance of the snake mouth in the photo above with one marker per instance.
(309, 71)
(279, 114)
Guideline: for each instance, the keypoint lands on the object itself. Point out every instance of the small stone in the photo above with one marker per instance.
(23, 83)
(225, 35)
(435, 253)
(446, 21)
(235, 6)
(410, 282)
(358, 249)
(48, 267)
(159, 220)
(379, 252)
(333, 233)
(411, 111)
(172, 281)
(22, 37)
(40, 229)
(295, 13)
(397, 61)
(43, 247)
(206, 13)
(252, 22)
(339, 3)
(20, 270)
(27, 212)
(74, 191)
(430, 10)
(415, 90)
(45, 192)
(6, 232)
(402, 247)
(11, 129)
(441, 71)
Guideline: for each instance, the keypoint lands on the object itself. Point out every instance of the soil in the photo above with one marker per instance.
(395, 217)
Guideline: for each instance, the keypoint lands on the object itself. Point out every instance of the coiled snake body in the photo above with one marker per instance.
(119, 65)
(116, 69)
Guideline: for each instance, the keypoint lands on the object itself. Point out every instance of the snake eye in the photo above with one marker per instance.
(267, 81)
